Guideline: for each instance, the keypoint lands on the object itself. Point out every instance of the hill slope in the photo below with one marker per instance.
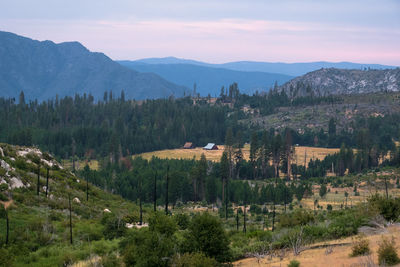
(209, 80)
(39, 225)
(339, 81)
(291, 69)
(45, 69)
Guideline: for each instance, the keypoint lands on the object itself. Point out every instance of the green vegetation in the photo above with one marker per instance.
(360, 246)
(387, 254)
(294, 263)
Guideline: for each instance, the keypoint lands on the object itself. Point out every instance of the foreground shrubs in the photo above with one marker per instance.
(387, 254)
(207, 235)
(194, 260)
(294, 263)
(360, 246)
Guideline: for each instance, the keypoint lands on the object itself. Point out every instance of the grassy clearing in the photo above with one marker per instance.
(302, 153)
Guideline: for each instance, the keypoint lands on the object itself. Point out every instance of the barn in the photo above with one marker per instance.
(210, 146)
(188, 145)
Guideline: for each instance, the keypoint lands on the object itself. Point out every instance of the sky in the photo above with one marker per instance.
(216, 31)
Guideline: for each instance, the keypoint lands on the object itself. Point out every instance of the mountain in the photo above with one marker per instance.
(340, 81)
(208, 80)
(291, 69)
(45, 69)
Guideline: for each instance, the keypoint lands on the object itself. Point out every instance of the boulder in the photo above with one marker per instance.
(76, 200)
(107, 211)
(16, 183)
(5, 165)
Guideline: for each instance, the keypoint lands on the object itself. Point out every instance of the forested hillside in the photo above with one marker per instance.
(116, 127)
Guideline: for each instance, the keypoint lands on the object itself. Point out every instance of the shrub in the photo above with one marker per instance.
(388, 208)
(360, 246)
(6, 258)
(195, 260)
(110, 260)
(207, 235)
(294, 263)
(182, 220)
(387, 254)
(298, 217)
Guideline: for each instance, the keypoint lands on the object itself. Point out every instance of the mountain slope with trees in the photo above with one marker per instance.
(333, 81)
(45, 69)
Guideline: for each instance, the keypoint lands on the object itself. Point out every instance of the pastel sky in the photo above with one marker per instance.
(216, 31)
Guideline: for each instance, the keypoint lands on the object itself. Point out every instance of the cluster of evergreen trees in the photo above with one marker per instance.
(116, 127)
(189, 180)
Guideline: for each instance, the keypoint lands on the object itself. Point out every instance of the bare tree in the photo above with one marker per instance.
(297, 240)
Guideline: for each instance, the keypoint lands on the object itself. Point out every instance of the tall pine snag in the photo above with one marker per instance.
(155, 192)
(70, 218)
(47, 181)
(224, 172)
(38, 177)
(140, 202)
(87, 188)
(244, 219)
(166, 192)
(237, 220)
(4, 213)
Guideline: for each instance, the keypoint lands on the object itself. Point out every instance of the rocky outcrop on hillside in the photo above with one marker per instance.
(17, 163)
(333, 81)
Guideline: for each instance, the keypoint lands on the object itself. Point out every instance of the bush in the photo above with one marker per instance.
(207, 235)
(6, 258)
(388, 208)
(294, 263)
(387, 254)
(360, 246)
(110, 260)
(182, 220)
(298, 217)
(194, 260)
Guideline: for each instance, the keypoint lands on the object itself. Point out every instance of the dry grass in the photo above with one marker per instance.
(317, 256)
(302, 153)
(305, 153)
(180, 153)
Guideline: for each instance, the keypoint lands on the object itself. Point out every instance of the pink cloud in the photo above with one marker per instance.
(221, 40)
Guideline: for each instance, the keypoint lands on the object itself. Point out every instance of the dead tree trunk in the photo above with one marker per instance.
(166, 194)
(237, 220)
(140, 202)
(38, 178)
(47, 182)
(386, 188)
(226, 201)
(155, 192)
(70, 218)
(244, 219)
(7, 226)
(87, 188)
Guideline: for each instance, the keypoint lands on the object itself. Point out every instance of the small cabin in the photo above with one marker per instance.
(210, 146)
(188, 145)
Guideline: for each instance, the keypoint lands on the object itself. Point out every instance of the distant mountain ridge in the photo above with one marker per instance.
(291, 69)
(209, 80)
(45, 69)
(333, 81)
